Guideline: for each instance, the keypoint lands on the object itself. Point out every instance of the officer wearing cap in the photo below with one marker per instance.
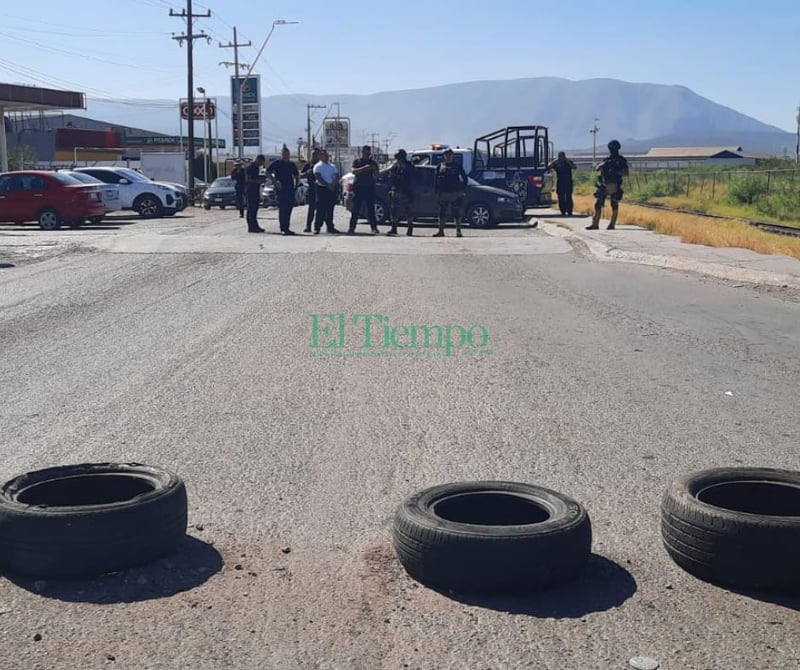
(609, 185)
(451, 187)
(400, 192)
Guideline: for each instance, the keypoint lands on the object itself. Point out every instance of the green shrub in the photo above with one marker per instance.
(745, 189)
(656, 185)
(783, 205)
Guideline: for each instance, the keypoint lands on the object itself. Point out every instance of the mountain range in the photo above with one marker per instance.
(640, 115)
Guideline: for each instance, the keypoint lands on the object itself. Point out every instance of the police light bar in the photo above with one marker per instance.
(438, 147)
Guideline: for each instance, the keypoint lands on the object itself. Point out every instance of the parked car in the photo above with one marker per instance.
(150, 199)
(221, 193)
(484, 206)
(50, 198)
(269, 198)
(109, 192)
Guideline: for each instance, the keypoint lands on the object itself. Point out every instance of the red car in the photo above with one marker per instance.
(50, 198)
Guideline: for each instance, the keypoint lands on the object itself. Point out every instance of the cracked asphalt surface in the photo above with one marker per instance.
(604, 381)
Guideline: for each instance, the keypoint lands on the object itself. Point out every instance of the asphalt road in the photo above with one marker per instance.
(601, 380)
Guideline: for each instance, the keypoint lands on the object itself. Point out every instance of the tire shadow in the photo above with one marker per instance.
(788, 600)
(5, 266)
(602, 586)
(192, 564)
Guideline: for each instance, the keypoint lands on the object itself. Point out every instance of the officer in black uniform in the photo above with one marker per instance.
(307, 173)
(451, 188)
(253, 186)
(563, 168)
(365, 170)
(609, 184)
(284, 175)
(239, 178)
(400, 191)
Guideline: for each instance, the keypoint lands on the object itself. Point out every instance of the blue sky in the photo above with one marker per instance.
(741, 54)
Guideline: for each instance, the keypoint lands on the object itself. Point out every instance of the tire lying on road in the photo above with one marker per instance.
(491, 537)
(89, 519)
(735, 526)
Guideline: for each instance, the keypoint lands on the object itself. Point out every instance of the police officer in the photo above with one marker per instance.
(609, 184)
(253, 192)
(327, 176)
(451, 187)
(284, 175)
(563, 168)
(400, 192)
(365, 170)
(311, 193)
(239, 178)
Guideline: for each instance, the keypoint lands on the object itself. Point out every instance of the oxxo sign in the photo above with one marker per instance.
(199, 110)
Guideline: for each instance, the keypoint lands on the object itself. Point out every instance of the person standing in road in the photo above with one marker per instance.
(400, 192)
(327, 177)
(311, 193)
(239, 178)
(451, 188)
(609, 184)
(284, 175)
(253, 192)
(365, 170)
(563, 168)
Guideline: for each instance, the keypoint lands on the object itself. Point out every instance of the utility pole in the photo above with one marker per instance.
(593, 131)
(797, 149)
(309, 147)
(235, 46)
(372, 142)
(190, 37)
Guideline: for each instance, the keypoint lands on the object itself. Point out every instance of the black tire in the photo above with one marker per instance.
(381, 210)
(480, 215)
(207, 207)
(49, 219)
(96, 219)
(148, 206)
(735, 526)
(521, 537)
(89, 519)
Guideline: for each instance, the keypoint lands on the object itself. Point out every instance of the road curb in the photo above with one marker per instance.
(606, 252)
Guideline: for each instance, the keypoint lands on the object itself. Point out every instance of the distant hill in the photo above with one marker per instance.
(639, 115)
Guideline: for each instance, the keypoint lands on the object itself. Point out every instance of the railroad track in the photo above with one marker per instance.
(763, 225)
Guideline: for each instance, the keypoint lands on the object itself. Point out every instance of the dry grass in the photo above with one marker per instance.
(699, 230)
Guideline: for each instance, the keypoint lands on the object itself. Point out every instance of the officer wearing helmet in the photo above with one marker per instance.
(609, 185)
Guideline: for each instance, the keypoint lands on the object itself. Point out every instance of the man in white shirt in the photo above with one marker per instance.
(327, 177)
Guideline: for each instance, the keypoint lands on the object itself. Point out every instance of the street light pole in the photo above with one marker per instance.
(202, 92)
(276, 22)
(593, 131)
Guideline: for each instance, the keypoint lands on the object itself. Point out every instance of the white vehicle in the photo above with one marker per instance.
(150, 199)
(109, 192)
(168, 167)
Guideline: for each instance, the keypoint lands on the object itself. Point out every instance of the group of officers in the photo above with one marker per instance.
(323, 179)
(609, 184)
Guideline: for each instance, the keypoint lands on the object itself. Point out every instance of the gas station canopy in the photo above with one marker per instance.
(15, 98)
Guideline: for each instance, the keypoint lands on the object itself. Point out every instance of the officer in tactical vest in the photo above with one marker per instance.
(609, 185)
(400, 192)
(451, 189)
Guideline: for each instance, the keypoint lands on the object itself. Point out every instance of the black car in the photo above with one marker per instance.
(484, 206)
(221, 193)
